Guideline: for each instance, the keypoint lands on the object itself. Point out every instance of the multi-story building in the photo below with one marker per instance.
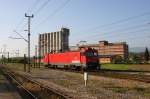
(113, 49)
(108, 51)
(54, 42)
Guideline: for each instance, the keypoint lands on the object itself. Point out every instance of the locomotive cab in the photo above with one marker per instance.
(89, 58)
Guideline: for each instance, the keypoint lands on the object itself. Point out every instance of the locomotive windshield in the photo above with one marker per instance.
(89, 54)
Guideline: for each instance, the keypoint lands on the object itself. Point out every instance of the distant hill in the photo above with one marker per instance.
(137, 49)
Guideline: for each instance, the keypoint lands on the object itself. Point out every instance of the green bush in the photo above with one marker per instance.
(118, 60)
(16, 60)
(120, 90)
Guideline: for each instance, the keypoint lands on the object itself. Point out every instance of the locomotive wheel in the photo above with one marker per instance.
(55, 66)
(78, 68)
(66, 67)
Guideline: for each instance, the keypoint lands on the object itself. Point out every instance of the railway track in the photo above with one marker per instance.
(24, 92)
(138, 76)
(113, 74)
(36, 90)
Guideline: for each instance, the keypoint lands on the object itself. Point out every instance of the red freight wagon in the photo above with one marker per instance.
(87, 58)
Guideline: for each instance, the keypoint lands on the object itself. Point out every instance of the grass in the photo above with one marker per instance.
(1, 74)
(19, 66)
(115, 66)
(140, 89)
(147, 94)
(16, 66)
(133, 67)
(119, 90)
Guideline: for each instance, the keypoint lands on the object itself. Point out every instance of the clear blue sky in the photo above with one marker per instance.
(84, 18)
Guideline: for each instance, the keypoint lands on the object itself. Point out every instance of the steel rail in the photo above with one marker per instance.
(30, 93)
(55, 91)
(134, 77)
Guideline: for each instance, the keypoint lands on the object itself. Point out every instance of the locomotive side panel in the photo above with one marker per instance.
(68, 58)
(86, 59)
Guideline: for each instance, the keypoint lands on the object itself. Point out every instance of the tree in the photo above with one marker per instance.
(146, 54)
(136, 58)
(118, 59)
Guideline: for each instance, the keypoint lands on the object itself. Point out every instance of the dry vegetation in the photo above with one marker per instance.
(144, 67)
(98, 86)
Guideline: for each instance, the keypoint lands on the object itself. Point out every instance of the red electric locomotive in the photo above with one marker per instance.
(86, 58)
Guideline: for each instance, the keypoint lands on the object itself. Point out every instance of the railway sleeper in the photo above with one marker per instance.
(36, 90)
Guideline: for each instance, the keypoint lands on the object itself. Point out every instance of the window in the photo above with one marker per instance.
(91, 54)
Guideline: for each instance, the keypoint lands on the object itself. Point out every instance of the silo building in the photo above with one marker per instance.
(54, 42)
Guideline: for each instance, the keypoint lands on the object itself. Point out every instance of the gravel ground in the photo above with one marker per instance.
(98, 87)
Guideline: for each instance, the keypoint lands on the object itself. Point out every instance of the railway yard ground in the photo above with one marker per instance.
(104, 85)
(7, 90)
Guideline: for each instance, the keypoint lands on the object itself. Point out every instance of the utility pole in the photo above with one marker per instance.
(29, 19)
(39, 55)
(2, 59)
(36, 55)
(8, 57)
(25, 61)
(4, 50)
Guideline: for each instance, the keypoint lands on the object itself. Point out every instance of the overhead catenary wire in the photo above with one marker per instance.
(122, 29)
(132, 38)
(114, 31)
(42, 7)
(110, 24)
(129, 33)
(33, 6)
(89, 34)
(122, 36)
(98, 27)
(53, 13)
(21, 21)
(30, 10)
(18, 27)
(135, 37)
(129, 19)
(120, 21)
